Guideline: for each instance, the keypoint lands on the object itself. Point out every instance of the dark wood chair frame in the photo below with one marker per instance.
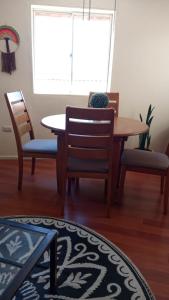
(89, 136)
(22, 125)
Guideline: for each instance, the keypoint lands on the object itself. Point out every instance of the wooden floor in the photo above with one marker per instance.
(138, 227)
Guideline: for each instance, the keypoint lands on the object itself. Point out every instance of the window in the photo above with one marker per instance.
(71, 54)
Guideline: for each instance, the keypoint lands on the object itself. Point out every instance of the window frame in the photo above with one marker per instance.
(73, 10)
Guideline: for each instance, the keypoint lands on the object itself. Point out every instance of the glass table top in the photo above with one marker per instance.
(17, 245)
(7, 274)
(21, 246)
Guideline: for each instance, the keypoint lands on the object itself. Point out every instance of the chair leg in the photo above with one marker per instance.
(69, 185)
(58, 179)
(33, 165)
(20, 173)
(166, 193)
(62, 209)
(62, 194)
(105, 186)
(121, 183)
(162, 184)
(109, 197)
(119, 172)
(77, 184)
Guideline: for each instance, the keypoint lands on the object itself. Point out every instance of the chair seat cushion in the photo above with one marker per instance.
(84, 165)
(145, 159)
(48, 146)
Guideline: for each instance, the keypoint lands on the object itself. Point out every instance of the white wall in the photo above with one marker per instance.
(141, 63)
(140, 70)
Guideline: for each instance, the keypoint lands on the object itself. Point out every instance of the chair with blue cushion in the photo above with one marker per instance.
(22, 126)
(147, 162)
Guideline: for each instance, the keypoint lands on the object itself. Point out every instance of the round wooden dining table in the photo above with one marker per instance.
(123, 128)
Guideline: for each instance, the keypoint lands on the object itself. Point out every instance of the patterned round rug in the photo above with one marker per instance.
(89, 267)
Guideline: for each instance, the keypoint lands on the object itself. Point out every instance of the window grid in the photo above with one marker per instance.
(50, 83)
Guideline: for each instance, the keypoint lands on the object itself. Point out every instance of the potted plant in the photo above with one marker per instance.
(99, 100)
(145, 138)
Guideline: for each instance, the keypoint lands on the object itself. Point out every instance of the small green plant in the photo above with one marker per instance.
(99, 100)
(145, 138)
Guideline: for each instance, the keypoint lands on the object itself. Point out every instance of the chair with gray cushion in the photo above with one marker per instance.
(89, 146)
(146, 162)
(33, 148)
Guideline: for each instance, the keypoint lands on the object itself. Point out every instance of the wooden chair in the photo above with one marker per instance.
(113, 101)
(147, 162)
(33, 148)
(89, 146)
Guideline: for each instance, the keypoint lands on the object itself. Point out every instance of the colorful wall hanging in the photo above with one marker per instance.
(9, 42)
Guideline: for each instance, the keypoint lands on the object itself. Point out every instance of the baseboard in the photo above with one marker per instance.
(7, 157)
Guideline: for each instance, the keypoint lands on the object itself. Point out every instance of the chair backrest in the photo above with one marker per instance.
(89, 133)
(113, 101)
(19, 116)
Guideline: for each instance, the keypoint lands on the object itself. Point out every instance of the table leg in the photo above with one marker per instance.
(118, 145)
(123, 140)
(60, 161)
(53, 264)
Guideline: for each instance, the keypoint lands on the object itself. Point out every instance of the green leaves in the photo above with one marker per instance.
(141, 118)
(149, 113)
(145, 138)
